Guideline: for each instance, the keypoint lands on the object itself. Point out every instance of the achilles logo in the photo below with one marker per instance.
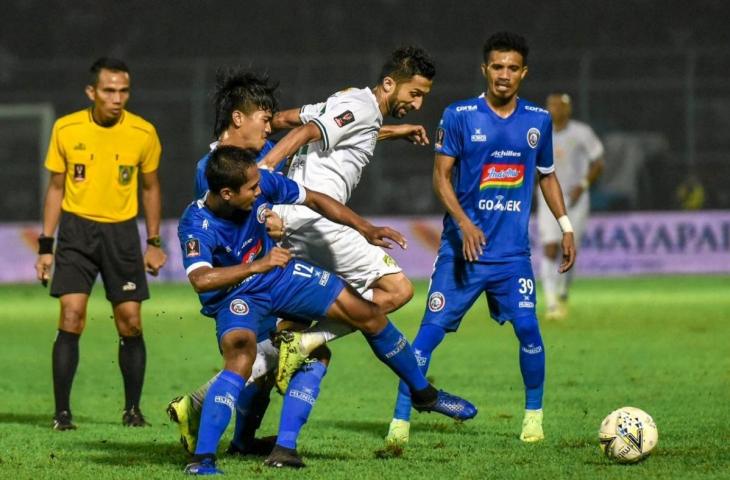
(420, 359)
(531, 349)
(303, 396)
(398, 347)
(129, 287)
(505, 153)
(226, 400)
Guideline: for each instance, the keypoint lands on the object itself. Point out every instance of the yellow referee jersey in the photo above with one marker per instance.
(102, 164)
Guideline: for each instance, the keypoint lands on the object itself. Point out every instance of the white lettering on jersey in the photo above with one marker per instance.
(478, 136)
(466, 108)
(499, 206)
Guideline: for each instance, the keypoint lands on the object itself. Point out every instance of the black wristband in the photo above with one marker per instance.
(45, 245)
(155, 241)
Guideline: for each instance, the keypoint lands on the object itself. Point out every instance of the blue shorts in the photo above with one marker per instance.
(456, 284)
(301, 290)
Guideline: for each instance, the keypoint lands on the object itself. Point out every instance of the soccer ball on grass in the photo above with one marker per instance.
(628, 435)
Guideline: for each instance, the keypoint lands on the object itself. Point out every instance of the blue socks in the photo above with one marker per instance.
(298, 402)
(392, 348)
(218, 406)
(532, 359)
(243, 408)
(428, 338)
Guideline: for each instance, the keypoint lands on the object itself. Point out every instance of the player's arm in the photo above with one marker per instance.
(51, 215)
(154, 256)
(554, 198)
(415, 134)
(473, 237)
(206, 278)
(292, 141)
(595, 169)
(286, 119)
(339, 213)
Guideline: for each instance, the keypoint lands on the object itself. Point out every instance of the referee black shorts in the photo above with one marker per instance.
(86, 248)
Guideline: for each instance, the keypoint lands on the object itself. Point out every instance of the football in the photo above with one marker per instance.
(628, 435)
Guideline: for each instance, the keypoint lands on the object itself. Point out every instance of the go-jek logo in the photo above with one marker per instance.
(499, 206)
(501, 175)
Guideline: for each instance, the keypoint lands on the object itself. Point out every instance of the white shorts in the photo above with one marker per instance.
(334, 247)
(548, 226)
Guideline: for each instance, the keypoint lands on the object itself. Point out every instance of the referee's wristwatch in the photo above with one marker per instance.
(155, 241)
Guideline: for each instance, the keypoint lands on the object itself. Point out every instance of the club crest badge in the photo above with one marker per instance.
(533, 137)
(436, 302)
(239, 307)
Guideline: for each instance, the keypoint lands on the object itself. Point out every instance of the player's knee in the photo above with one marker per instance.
(72, 320)
(527, 329)
(129, 326)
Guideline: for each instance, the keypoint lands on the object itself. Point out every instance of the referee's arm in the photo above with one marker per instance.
(51, 215)
(154, 257)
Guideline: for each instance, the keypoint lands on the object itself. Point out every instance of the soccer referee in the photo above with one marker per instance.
(95, 158)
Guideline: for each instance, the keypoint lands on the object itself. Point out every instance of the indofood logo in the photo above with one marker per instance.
(502, 175)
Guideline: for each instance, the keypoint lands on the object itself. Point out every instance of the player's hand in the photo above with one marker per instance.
(277, 257)
(569, 252)
(274, 225)
(415, 134)
(379, 236)
(43, 268)
(574, 195)
(154, 260)
(473, 241)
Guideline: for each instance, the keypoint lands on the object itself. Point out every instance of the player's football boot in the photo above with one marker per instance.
(134, 418)
(259, 447)
(281, 457)
(206, 466)
(532, 426)
(291, 357)
(449, 405)
(557, 312)
(398, 432)
(62, 421)
(181, 411)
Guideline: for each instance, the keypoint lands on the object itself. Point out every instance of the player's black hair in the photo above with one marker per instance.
(227, 167)
(237, 89)
(505, 42)
(106, 63)
(405, 62)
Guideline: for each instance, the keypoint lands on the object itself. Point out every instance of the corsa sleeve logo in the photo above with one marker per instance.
(501, 175)
(436, 302)
(344, 118)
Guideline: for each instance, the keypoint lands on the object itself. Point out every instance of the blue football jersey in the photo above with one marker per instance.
(212, 241)
(494, 172)
(201, 183)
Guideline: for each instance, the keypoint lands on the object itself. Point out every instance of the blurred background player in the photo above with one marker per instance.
(95, 158)
(488, 151)
(238, 287)
(578, 157)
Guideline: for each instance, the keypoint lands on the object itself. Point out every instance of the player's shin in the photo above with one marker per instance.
(428, 338)
(298, 402)
(218, 406)
(244, 405)
(532, 359)
(392, 348)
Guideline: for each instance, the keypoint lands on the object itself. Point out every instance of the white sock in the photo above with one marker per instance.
(323, 332)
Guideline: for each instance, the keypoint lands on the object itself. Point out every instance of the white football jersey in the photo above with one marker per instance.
(574, 147)
(349, 121)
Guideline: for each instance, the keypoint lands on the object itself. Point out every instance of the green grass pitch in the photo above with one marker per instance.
(659, 343)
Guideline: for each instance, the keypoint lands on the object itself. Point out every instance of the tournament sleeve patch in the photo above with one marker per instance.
(439, 137)
(345, 118)
(192, 248)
